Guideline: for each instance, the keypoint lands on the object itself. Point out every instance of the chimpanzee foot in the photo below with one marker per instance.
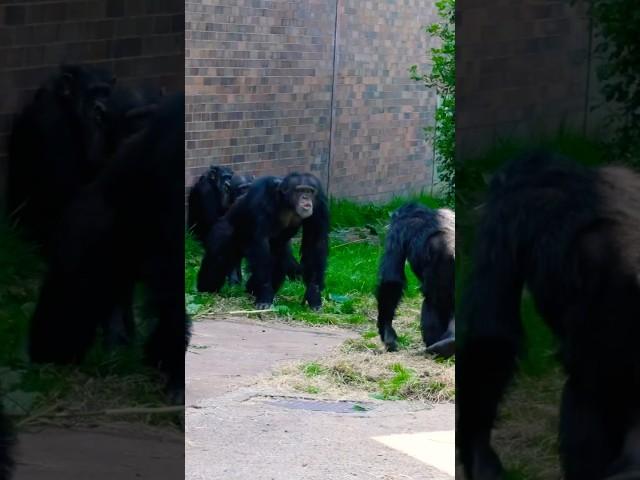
(263, 306)
(391, 346)
(444, 348)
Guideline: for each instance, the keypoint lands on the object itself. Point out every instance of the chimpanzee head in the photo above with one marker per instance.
(84, 91)
(220, 180)
(301, 191)
(240, 185)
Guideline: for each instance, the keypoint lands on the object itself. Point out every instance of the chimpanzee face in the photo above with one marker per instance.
(220, 179)
(304, 197)
(86, 90)
(301, 192)
(240, 186)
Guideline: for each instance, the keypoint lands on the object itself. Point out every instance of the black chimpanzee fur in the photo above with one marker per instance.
(209, 199)
(125, 227)
(259, 226)
(53, 147)
(426, 238)
(7, 440)
(570, 234)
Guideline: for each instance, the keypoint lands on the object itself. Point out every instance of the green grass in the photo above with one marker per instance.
(356, 245)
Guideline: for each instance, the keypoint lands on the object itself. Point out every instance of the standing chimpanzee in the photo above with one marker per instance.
(571, 235)
(260, 226)
(426, 238)
(53, 144)
(125, 227)
(7, 440)
(209, 199)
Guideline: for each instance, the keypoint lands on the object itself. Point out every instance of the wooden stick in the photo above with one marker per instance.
(242, 312)
(349, 243)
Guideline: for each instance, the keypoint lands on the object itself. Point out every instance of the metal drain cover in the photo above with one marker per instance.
(318, 405)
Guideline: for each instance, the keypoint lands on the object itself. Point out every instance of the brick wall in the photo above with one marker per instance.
(523, 70)
(265, 96)
(378, 147)
(137, 39)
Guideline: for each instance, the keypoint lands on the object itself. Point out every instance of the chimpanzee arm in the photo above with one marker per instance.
(391, 286)
(486, 359)
(315, 248)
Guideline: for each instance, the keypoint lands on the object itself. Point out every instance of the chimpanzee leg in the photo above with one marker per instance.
(78, 292)
(590, 433)
(389, 295)
(390, 288)
(261, 266)
(7, 442)
(486, 357)
(169, 340)
(293, 269)
(119, 328)
(446, 345)
(235, 276)
(280, 263)
(221, 255)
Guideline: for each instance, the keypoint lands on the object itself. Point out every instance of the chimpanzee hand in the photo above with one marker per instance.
(312, 297)
(263, 306)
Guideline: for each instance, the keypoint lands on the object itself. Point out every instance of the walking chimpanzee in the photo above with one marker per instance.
(53, 147)
(125, 227)
(426, 238)
(260, 226)
(570, 234)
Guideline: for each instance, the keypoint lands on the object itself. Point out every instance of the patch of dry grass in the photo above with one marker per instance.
(526, 435)
(361, 368)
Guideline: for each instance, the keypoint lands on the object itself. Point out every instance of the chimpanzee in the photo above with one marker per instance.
(259, 226)
(53, 144)
(128, 112)
(7, 440)
(125, 227)
(570, 234)
(426, 238)
(209, 199)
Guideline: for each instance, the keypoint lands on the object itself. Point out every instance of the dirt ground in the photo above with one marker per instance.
(239, 428)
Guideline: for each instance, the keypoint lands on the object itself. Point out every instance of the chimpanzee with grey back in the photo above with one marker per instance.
(259, 226)
(426, 238)
(571, 235)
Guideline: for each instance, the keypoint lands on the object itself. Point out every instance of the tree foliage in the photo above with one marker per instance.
(442, 78)
(618, 43)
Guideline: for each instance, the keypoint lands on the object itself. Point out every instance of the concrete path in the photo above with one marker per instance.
(236, 431)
